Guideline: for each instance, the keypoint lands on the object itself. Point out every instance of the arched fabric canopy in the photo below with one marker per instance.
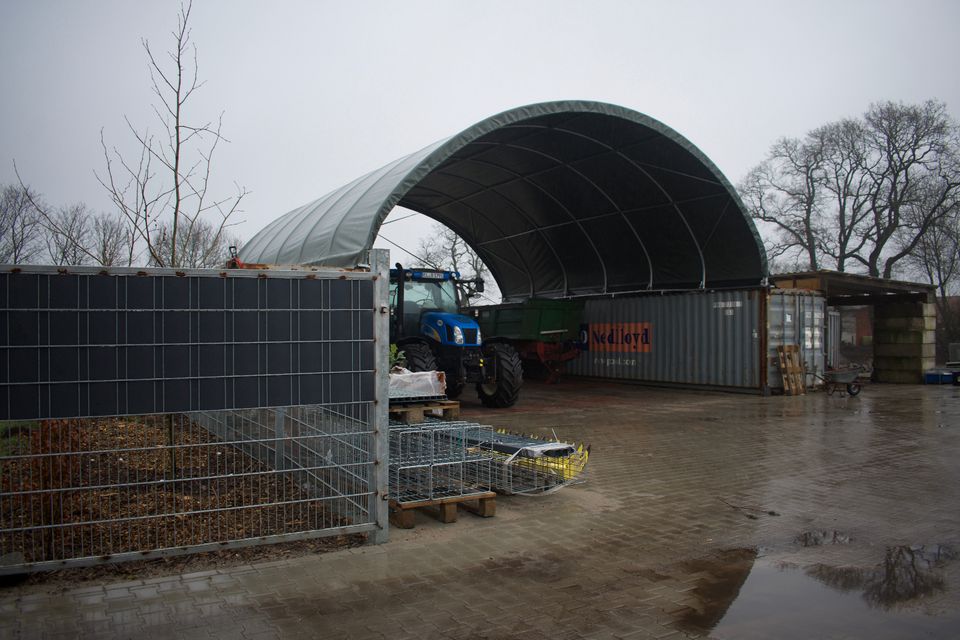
(558, 199)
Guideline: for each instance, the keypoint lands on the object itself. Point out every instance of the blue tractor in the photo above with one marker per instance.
(426, 324)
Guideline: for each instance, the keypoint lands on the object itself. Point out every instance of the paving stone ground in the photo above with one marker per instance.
(649, 547)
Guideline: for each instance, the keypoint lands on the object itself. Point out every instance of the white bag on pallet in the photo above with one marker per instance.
(421, 384)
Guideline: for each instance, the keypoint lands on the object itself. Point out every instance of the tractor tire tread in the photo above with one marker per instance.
(419, 357)
(509, 377)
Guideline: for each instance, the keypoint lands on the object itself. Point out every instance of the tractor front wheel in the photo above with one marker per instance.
(419, 357)
(505, 389)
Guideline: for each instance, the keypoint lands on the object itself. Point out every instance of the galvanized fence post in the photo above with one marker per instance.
(380, 479)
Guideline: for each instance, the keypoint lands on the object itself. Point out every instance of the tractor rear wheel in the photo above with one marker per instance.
(506, 389)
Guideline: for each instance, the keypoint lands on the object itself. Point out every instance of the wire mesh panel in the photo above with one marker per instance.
(438, 459)
(151, 412)
(92, 489)
(97, 343)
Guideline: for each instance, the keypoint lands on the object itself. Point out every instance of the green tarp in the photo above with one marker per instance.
(558, 199)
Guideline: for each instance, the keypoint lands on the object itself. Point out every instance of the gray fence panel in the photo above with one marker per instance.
(84, 342)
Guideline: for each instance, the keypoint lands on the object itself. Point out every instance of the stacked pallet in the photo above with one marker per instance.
(791, 370)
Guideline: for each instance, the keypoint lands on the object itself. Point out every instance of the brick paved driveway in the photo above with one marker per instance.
(689, 525)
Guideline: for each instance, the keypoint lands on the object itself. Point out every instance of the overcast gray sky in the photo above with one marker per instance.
(318, 93)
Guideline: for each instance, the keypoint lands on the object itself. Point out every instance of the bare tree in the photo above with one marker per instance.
(914, 181)
(444, 249)
(205, 246)
(68, 235)
(163, 193)
(112, 242)
(862, 191)
(19, 225)
(845, 185)
(936, 259)
(785, 191)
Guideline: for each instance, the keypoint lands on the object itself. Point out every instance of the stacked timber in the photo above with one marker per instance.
(904, 341)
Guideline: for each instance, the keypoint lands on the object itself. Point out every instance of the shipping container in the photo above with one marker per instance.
(697, 338)
(796, 316)
(722, 339)
(832, 343)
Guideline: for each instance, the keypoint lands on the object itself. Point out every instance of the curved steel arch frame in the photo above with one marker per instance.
(340, 227)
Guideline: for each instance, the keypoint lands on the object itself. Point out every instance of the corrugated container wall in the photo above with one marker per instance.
(832, 345)
(701, 338)
(796, 317)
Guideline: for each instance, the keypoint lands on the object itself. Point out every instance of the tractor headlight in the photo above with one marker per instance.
(458, 335)
(479, 337)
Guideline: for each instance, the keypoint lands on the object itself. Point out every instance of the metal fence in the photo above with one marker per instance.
(82, 491)
(212, 461)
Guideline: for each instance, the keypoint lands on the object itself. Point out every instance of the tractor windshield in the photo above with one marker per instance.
(420, 296)
(432, 295)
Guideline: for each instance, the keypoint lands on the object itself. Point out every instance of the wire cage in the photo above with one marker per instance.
(528, 465)
(82, 491)
(438, 459)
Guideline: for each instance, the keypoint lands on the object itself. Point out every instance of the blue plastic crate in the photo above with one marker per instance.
(938, 376)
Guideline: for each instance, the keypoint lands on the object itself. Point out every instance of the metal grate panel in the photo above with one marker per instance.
(89, 490)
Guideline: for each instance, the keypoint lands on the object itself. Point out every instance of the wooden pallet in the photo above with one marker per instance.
(443, 509)
(415, 413)
(791, 370)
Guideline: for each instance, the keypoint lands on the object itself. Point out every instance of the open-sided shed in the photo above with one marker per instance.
(904, 318)
(576, 199)
(558, 199)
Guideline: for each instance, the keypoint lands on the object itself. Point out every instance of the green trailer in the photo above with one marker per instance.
(542, 330)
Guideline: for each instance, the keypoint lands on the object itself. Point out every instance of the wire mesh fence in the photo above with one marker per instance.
(139, 410)
(82, 491)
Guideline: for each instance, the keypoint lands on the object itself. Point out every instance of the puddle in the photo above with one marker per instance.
(821, 537)
(726, 573)
(907, 573)
(745, 596)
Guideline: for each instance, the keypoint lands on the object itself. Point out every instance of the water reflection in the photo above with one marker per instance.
(907, 572)
(724, 574)
(821, 537)
(740, 595)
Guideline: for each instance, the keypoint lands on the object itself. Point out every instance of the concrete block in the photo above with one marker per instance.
(898, 377)
(926, 323)
(900, 363)
(905, 310)
(904, 323)
(884, 336)
(905, 350)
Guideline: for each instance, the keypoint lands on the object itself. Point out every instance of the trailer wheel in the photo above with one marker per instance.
(505, 391)
(419, 357)
(454, 390)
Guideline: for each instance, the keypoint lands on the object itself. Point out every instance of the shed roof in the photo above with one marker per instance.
(558, 199)
(852, 289)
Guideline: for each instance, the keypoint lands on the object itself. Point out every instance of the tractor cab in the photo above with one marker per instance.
(428, 304)
(426, 324)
